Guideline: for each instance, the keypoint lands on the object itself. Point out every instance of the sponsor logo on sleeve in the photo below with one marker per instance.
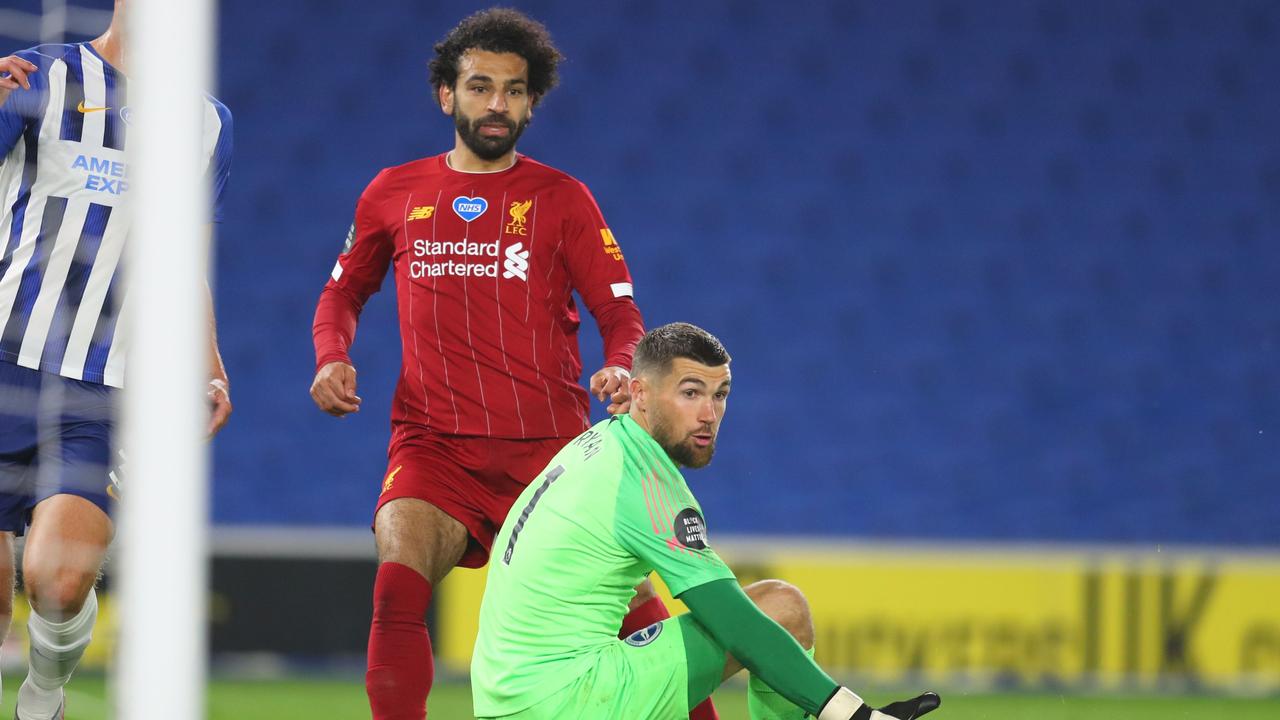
(610, 244)
(351, 239)
(690, 529)
(518, 212)
(643, 637)
(469, 208)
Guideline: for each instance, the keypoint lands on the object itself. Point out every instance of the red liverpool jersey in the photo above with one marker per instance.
(485, 265)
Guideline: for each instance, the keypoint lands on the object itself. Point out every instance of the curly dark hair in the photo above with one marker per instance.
(501, 30)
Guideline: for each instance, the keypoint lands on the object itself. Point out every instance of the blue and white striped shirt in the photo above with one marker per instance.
(64, 213)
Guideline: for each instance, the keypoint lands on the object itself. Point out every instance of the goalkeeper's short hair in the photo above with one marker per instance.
(660, 346)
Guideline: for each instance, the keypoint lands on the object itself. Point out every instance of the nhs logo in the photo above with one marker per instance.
(469, 208)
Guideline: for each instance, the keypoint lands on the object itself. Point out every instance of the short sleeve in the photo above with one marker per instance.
(659, 522)
(596, 266)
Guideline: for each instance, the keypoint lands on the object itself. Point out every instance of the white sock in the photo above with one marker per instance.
(56, 649)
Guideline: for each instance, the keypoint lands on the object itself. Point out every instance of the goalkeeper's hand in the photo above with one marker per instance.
(846, 705)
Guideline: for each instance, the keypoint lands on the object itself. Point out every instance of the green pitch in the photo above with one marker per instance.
(303, 699)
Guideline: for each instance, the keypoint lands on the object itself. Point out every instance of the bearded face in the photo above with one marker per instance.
(490, 102)
(691, 448)
(489, 137)
(685, 407)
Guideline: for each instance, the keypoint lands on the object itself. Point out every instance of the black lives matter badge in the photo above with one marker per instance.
(691, 529)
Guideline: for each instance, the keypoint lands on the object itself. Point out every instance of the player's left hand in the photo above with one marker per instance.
(219, 405)
(612, 382)
(910, 709)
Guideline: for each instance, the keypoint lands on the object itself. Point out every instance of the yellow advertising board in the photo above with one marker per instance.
(96, 656)
(1094, 618)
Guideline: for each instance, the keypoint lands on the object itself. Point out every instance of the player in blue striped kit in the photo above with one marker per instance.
(64, 221)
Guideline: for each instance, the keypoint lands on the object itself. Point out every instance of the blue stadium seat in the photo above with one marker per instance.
(1011, 261)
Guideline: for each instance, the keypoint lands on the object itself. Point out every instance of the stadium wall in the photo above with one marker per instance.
(980, 617)
(983, 617)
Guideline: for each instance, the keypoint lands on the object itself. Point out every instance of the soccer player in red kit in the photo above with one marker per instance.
(486, 247)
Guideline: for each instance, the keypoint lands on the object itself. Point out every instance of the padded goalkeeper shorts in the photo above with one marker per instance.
(647, 675)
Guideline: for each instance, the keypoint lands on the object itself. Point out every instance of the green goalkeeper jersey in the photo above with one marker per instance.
(609, 509)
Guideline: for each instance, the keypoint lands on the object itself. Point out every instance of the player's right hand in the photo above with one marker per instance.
(14, 71)
(846, 705)
(611, 383)
(334, 389)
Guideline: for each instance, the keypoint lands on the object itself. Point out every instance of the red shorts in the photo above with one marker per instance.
(474, 480)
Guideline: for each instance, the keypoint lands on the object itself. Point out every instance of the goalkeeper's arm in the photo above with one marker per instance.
(771, 654)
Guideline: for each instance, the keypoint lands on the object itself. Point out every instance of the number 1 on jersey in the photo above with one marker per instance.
(552, 474)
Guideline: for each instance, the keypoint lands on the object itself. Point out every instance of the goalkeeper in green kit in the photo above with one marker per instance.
(610, 508)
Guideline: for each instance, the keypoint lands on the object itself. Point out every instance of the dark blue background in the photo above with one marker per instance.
(997, 270)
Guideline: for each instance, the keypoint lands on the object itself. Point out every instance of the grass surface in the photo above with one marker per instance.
(305, 699)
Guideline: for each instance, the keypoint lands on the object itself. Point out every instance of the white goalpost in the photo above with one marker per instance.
(163, 528)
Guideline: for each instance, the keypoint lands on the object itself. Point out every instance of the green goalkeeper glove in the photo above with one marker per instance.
(846, 705)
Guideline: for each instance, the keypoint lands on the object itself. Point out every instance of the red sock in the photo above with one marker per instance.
(400, 664)
(648, 613)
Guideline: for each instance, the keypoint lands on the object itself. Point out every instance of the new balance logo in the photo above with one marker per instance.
(517, 263)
